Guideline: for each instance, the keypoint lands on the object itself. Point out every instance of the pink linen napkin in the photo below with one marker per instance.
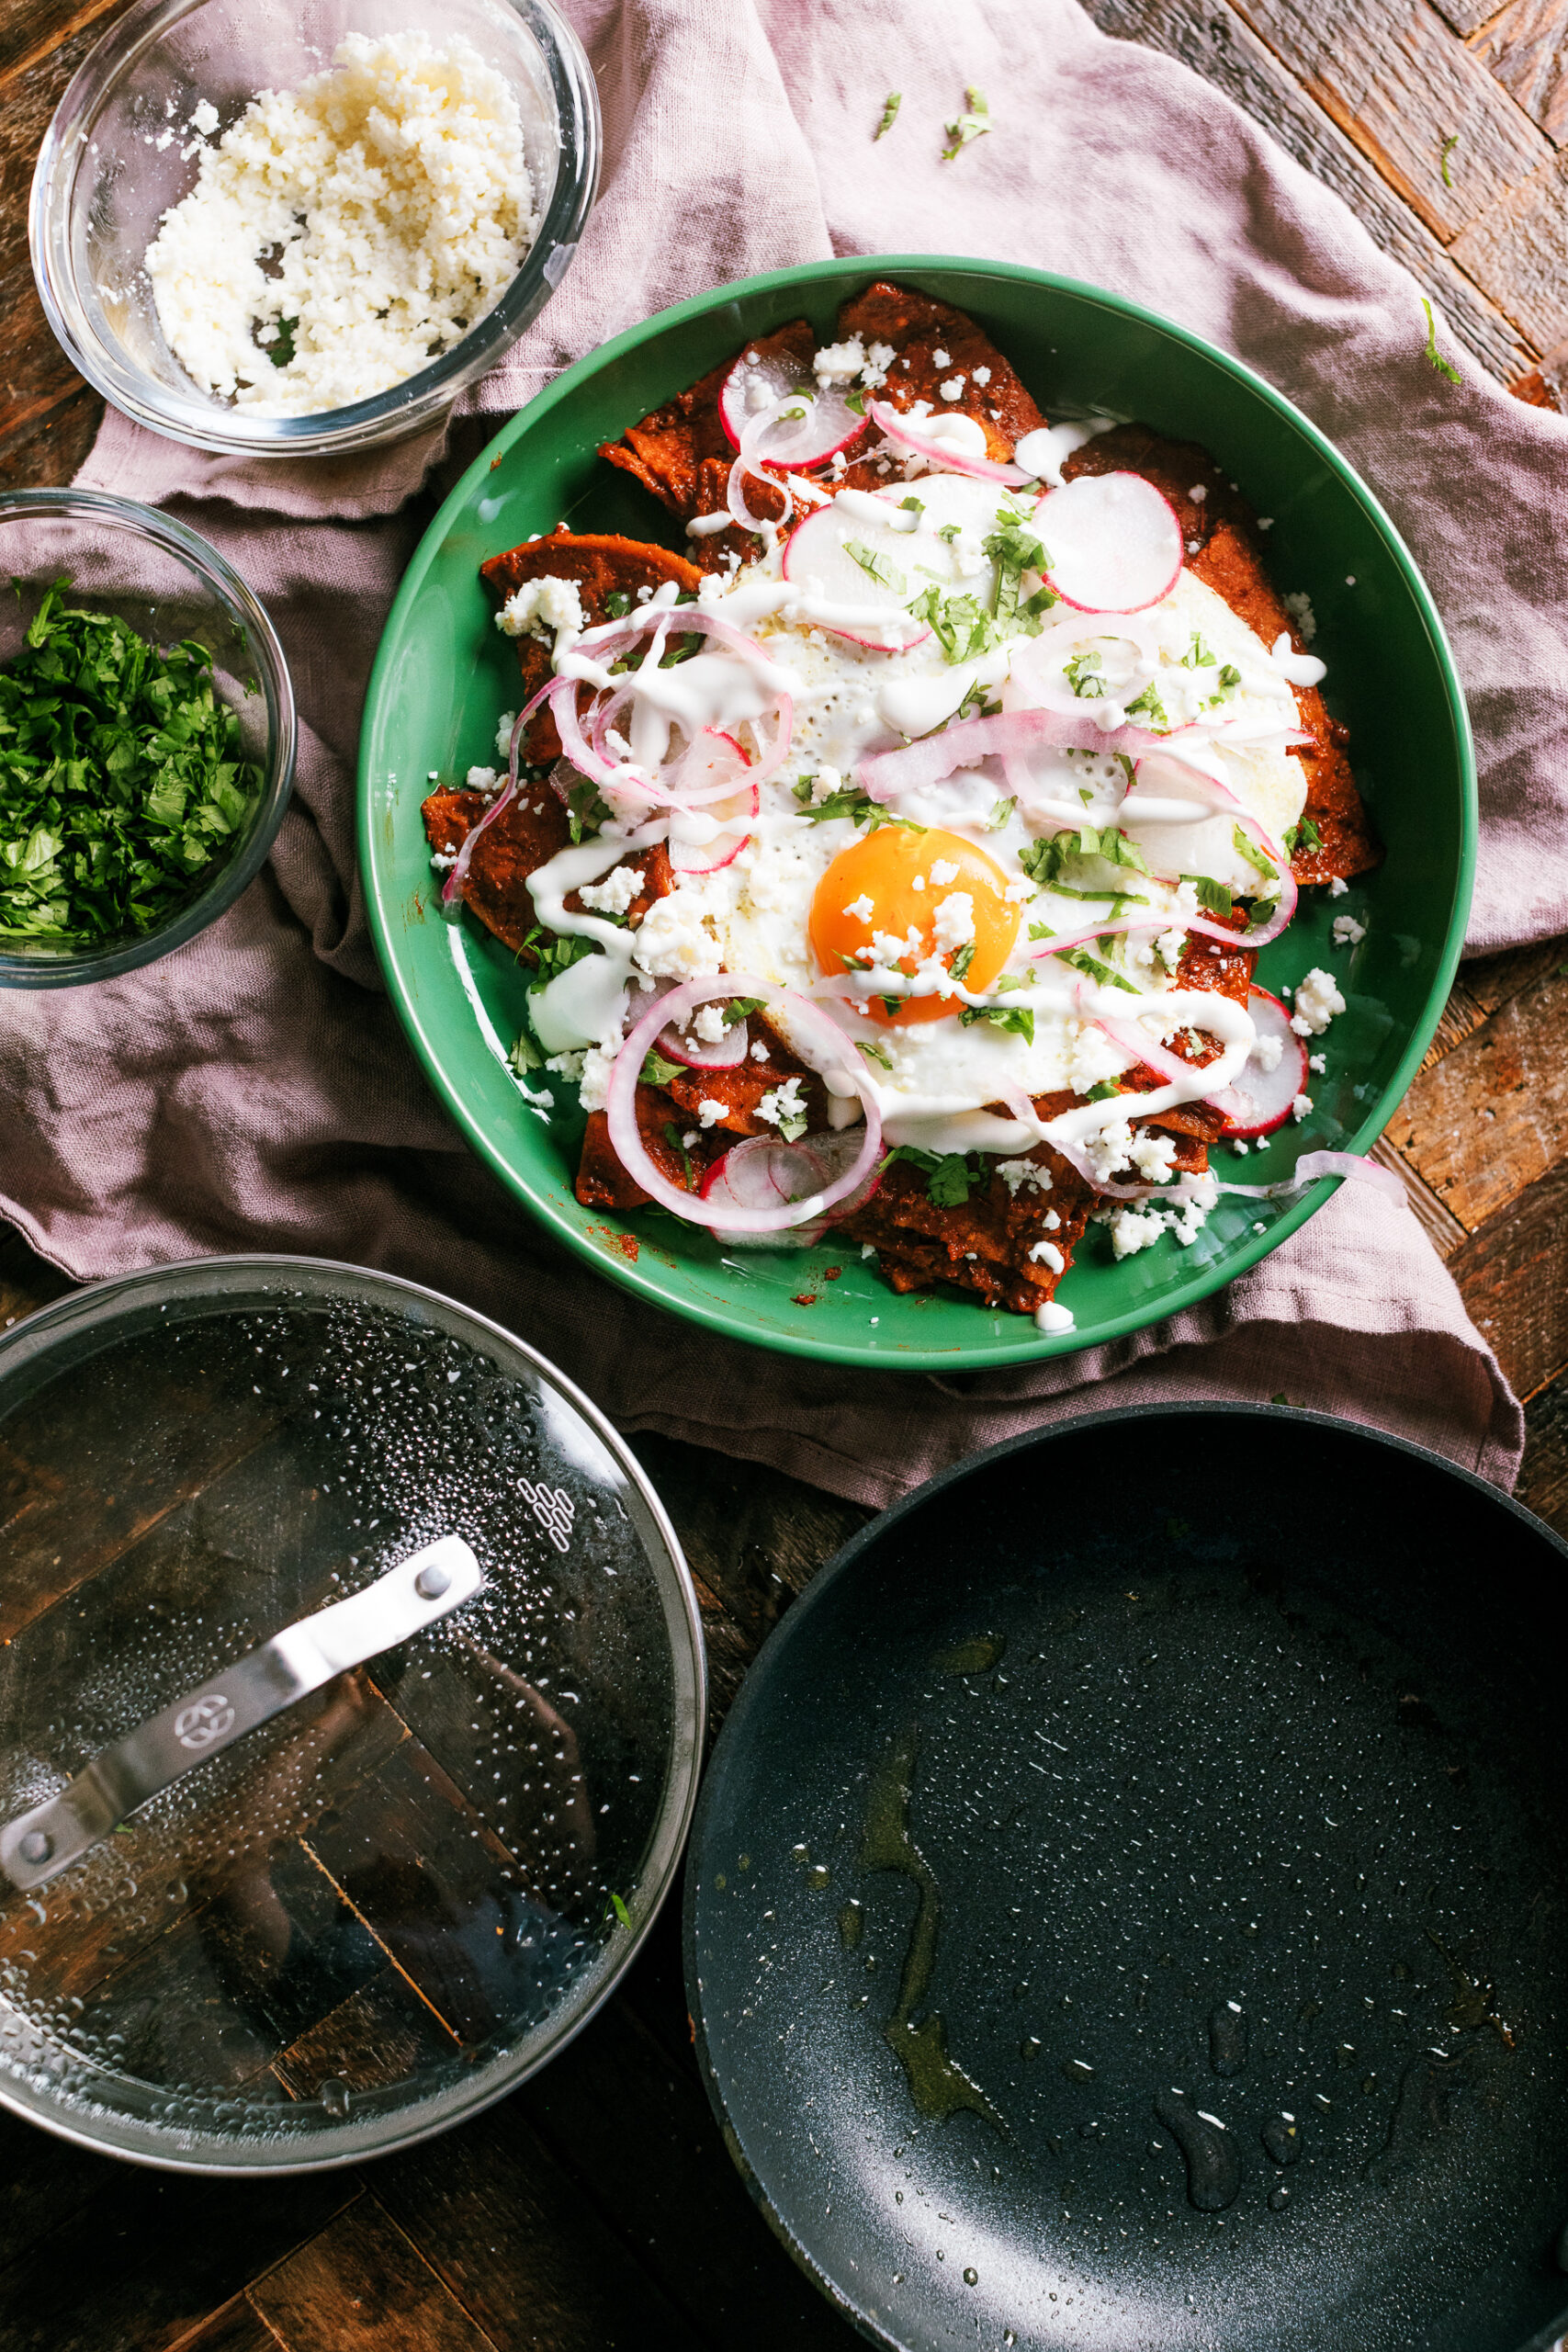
(254, 1091)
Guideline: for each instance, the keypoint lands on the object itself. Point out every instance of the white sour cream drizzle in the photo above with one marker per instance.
(748, 910)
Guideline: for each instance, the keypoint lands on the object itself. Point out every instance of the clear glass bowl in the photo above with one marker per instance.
(168, 584)
(103, 183)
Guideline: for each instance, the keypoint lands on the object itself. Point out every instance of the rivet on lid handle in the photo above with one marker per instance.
(420, 1590)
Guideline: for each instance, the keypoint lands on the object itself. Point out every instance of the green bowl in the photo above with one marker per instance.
(444, 676)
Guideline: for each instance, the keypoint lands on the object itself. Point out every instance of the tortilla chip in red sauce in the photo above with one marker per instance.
(918, 328)
(603, 565)
(529, 830)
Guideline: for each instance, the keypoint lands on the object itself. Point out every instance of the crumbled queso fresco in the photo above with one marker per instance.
(341, 235)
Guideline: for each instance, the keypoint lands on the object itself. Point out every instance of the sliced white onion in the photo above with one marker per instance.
(905, 434)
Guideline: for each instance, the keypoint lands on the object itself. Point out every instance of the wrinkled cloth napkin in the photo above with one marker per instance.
(255, 1091)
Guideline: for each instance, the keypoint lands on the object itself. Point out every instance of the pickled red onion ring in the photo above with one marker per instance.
(807, 1022)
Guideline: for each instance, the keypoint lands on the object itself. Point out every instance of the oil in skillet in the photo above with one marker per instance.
(938, 2085)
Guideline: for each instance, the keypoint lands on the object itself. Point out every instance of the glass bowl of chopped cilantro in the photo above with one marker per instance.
(147, 736)
(307, 228)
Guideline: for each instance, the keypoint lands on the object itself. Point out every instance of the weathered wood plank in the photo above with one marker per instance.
(518, 2244)
(363, 2286)
(1440, 1226)
(147, 2260)
(234, 2327)
(1543, 1481)
(1392, 76)
(1526, 47)
(1494, 980)
(1513, 1276)
(1466, 14)
(1492, 1117)
(1516, 251)
(1211, 37)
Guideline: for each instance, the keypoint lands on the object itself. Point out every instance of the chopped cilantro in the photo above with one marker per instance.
(1014, 549)
(622, 1914)
(739, 1007)
(656, 1070)
(856, 400)
(1044, 860)
(1149, 703)
(124, 786)
(877, 1054)
(848, 801)
(961, 625)
(911, 505)
(673, 1137)
(1019, 1019)
(1303, 836)
(959, 968)
(585, 812)
(1212, 895)
(889, 114)
(877, 567)
(1247, 848)
(974, 123)
(617, 604)
(525, 1055)
(1001, 811)
(1197, 656)
(1041, 931)
(1106, 1092)
(1443, 367)
(1082, 961)
(949, 1174)
(1083, 674)
(556, 955)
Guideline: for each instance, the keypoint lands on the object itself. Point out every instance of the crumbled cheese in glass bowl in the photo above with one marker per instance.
(306, 229)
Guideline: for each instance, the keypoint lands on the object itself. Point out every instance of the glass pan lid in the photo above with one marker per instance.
(380, 1908)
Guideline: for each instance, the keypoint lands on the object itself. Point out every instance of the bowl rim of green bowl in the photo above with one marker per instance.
(666, 1289)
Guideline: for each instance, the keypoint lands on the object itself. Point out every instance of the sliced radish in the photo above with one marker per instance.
(1114, 543)
(762, 1172)
(702, 1052)
(828, 425)
(706, 857)
(1260, 1099)
(844, 595)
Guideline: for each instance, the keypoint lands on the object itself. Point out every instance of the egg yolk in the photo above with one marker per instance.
(899, 885)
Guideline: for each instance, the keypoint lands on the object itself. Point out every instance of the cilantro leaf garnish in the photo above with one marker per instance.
(124, 784)
(1018, 1019)
(656, 1070)
(1197, 656)
(877, 567)
(1303, 836)
(949, 1175)
(848, 801)
(974, 123)
(1212, 896)
(961, 625)
(556, 955)
(1082, 675)
(889, 114)
(1443, 367)
(1247, 848)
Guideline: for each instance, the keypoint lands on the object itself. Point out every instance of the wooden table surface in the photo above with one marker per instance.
(597, 2208)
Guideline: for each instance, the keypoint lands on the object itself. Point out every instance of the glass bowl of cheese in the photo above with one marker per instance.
(299, 230)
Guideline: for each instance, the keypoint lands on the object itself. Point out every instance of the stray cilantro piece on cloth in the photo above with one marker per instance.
(889, 114)
(123, 782)
(972, 124)
(1443, 367)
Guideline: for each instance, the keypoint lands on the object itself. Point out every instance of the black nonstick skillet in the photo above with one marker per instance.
(1127, 1905)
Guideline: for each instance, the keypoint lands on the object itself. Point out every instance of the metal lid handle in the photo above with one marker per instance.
(421, 1590)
